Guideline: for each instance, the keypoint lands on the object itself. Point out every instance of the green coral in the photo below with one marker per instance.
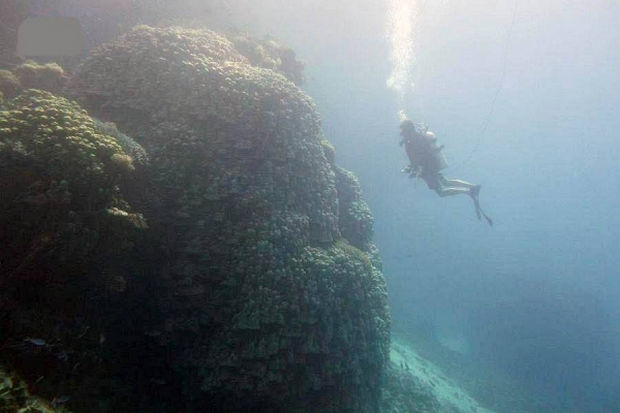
(15, 397)
(270, 54)
(205, 91)
(356, 219)
(264, 308)
(329, 151)
(32, 75)
(48, 76)
(9, 84)
(59, 174)
(403, 393)
(69, 241)
(61, 136)
(356, 253)
(133, 149)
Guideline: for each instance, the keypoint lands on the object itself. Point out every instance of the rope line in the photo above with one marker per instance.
(487, 121)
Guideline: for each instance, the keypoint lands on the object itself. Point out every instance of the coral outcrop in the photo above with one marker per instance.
(355, 217)
(32, 75)
(69, 240)
(269, 305)
(9, 84)
(59, 182)
(48, 76)
(210, 255)
(403, 393)
(270, 54)
(15, 397)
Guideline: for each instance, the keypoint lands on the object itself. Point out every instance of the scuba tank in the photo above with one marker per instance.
(422, 148)
(437, 151)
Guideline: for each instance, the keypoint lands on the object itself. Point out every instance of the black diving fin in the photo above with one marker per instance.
(489, 220)
(479, 212)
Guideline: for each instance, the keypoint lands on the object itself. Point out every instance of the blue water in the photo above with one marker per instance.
(527, 96)
(524, 94)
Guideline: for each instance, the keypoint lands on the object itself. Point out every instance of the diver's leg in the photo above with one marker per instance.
(449, 191)
(472, 189)
(456, 183)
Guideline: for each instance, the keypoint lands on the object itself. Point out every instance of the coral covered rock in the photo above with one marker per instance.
(69, 242)
(9, 84)
(32, 75)
(15, 397)
(355, 217)
(403, 393)
(270, 54)
(58, 180)
(266, 305)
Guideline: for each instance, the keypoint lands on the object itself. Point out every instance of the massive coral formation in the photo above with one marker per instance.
(12, 13)
(355, 218)
(268, 305)
(32, 75)
(15, 397)
(255, 284)
(270, 54)
(9, 84)
(403, 393)
(59, 181)
(69, 240)
(48, 76)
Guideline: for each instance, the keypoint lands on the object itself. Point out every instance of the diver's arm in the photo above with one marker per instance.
(412, 171)
(415, 172)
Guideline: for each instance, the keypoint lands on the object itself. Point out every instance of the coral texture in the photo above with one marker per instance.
(270, 54)
(49, 76)
(15, 397)
(59, 181)
(403, 393)
(68, 237)
(355, 217)
(9, 84)
(268, 305)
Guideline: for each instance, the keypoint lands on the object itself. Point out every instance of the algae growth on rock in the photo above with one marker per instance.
(245, 276)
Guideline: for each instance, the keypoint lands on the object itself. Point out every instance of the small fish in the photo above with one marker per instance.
(63, 356)
(56, 401)
(36, 341)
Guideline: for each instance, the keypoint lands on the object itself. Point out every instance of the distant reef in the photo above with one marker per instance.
(209, 257)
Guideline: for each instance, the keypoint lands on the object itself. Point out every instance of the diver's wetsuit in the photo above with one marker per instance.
(427, 162)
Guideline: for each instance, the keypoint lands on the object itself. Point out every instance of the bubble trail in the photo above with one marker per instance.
(400, 31)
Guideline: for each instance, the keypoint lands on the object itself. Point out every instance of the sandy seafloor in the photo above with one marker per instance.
(451, 397)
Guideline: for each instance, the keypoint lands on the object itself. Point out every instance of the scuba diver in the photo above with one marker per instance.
(427, 160)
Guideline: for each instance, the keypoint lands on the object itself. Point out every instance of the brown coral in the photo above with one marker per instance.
(279, 313)
(9, 84)
(49, 76)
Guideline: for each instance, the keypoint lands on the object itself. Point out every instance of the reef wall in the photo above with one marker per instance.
(218, 257)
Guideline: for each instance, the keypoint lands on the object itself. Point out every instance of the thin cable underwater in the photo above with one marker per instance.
(487, 121)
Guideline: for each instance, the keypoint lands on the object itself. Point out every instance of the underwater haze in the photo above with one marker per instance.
(535, 296)
(519, 316)
(525, 96)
